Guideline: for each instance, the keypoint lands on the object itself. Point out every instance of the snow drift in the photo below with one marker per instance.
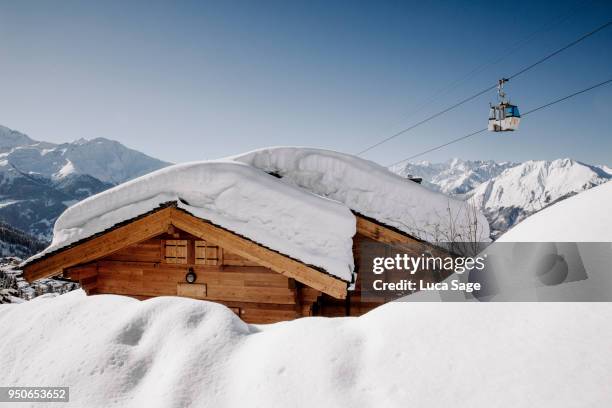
(560, 254)
(232, 195)
(585, 217)
(374, 191)
(177, 352)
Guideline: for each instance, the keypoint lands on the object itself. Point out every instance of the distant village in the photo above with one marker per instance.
(14, 288)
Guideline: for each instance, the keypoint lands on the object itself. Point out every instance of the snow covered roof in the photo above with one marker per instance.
(303, 210)
(585, 217)
(372, 190)
(235, 196)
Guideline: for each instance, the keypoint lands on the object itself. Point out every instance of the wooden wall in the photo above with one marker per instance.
(354, 304)
(255, 293)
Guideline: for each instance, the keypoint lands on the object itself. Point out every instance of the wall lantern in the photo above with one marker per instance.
(190, 277)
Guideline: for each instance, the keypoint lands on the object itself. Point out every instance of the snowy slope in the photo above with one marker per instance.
(10, 139)
(32, 202)
(14, 242)
(606, 169)
(233, 195)
(585, 217)
(178, 352)
(372, 190)
(527, 188)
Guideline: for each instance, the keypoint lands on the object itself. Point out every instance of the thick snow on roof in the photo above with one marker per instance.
(169, 352)
(374, 191)
(304, 214)
(238, 197)
(585, 217)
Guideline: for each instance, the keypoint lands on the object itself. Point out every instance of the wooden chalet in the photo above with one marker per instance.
(169, 252)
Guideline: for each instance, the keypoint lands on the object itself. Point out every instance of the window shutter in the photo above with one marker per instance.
(206, 254)
(176, 251)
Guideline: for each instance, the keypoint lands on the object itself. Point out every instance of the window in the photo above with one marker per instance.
(206, 254)
(512, 111)
(176, 251)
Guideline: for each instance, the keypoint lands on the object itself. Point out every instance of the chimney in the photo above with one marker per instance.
(417, 180)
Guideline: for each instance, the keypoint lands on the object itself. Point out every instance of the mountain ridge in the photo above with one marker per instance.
(509, 192)
(39, 180)
(105, 159)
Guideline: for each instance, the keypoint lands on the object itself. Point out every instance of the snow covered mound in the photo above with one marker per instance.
(374, 191)
(585, 217)
(171, 352)
(232, 195)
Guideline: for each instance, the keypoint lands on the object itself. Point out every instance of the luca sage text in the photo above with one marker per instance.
(409, 285)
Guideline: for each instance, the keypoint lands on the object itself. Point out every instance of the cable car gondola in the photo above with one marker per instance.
(503, 117)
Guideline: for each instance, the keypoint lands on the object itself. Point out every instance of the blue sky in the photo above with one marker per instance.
(199, 80)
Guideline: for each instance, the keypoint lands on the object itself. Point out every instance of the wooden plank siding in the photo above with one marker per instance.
(151, 255)
(381, 233)
(256, 293)
(260, 254)
(166, 221)
(137, 231)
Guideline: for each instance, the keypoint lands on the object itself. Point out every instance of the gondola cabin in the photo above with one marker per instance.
(504, 117)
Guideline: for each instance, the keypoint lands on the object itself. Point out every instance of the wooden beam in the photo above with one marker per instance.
(259, 254)
(98, 247)
(89, 284)
(82, 272)
(381, 233)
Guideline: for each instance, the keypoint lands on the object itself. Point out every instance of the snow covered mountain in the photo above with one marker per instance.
(509, 192)
(39, 180)
(455, 176)
(531, 186)
(106, 160)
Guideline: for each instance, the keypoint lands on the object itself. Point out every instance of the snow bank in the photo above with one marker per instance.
(373, 191)
(171, 352)
(585, 217)
(233, 195)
